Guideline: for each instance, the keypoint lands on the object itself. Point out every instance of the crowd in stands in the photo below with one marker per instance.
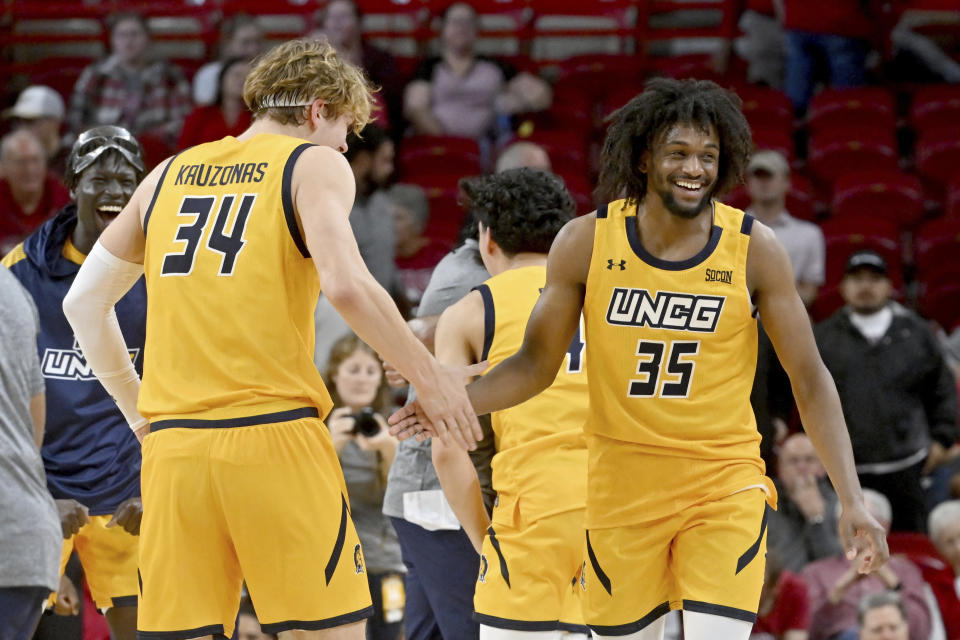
(855, 108)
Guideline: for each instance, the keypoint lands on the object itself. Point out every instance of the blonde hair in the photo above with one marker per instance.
(289, 77)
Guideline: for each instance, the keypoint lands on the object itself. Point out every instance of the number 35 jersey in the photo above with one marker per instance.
(671, 356)
(231, 288)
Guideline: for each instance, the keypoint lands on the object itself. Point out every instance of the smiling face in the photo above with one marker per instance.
(682, 168)
(102, 191)
(357, 379)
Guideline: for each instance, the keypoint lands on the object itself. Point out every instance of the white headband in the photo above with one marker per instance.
(280, 102)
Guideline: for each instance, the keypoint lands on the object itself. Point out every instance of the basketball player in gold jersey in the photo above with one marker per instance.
(531, 553)
(240, 479)
(669, 281)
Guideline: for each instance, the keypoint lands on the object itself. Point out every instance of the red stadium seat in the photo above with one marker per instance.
(936, 243)
(843, 236)
(568, 150)
(836, 152)
(423, 156)
(952, 208)
(827, 303)
(935, 107)
(776, 140)
(892, 195)
(766, 108)
(596, 76)
(446, 215)
(582, 192)
(841, 108)
(938, 156)
(942, 303)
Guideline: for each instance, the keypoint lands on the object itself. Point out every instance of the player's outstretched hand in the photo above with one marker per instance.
(128, 516)
(442, 409)
(73, 515)
(409, 421)
(864, 540)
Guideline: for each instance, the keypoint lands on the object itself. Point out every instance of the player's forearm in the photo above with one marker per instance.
(515, 380)
(823, 422)
(89, 308)
(373, 316)
(460, 485)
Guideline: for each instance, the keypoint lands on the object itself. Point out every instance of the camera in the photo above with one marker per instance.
(364, 423)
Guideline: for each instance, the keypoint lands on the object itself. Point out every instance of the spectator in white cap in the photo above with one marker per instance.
(41, 110)
(768, 181)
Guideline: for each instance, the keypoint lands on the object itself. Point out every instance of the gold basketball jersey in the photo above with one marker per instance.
(231, 286)
(671, 356)
(541, 452)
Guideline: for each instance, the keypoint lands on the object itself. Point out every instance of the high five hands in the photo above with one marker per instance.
(431, 414)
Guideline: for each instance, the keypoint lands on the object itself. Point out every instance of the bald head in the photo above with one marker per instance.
(798, 458)
(523, 154)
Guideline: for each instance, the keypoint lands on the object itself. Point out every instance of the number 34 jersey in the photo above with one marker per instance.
(671, 356)
(231, 288)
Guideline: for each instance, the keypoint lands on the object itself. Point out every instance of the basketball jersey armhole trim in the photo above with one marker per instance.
(489, 319)
(602, 210)
(747, 225)
(286, 198)
(156, 192)
(670, 265)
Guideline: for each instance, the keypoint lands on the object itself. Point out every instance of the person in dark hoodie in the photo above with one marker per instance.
(92, 459)
(899, 397)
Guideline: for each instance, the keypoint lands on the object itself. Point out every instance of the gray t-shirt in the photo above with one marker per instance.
(372, 226)
(412, 469)
(361, 472)
(804, 244)
(30, 534)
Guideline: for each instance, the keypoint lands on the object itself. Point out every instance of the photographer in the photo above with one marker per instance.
(360, 395)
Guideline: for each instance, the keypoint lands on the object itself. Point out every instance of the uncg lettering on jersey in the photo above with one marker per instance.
(665, 310)
(69, 364)
(215, 175)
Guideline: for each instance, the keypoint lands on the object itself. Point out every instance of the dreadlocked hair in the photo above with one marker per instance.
(665, 102)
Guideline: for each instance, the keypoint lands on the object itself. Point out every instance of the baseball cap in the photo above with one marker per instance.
(37, 101)
(866, 259)
(769, 161)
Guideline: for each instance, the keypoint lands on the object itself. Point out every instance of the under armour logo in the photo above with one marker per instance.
(483, 568)
(611, 264)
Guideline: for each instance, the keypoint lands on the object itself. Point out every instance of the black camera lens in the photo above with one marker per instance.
(365, 424)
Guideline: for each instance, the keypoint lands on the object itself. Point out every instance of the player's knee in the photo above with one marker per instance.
(495, 633)
(706, 626)
(352, 631)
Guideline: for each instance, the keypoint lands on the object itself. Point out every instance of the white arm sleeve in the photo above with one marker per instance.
(89, 306)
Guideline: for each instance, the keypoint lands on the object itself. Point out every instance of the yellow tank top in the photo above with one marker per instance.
(671, 356)
(231, 287)
(540, 467)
